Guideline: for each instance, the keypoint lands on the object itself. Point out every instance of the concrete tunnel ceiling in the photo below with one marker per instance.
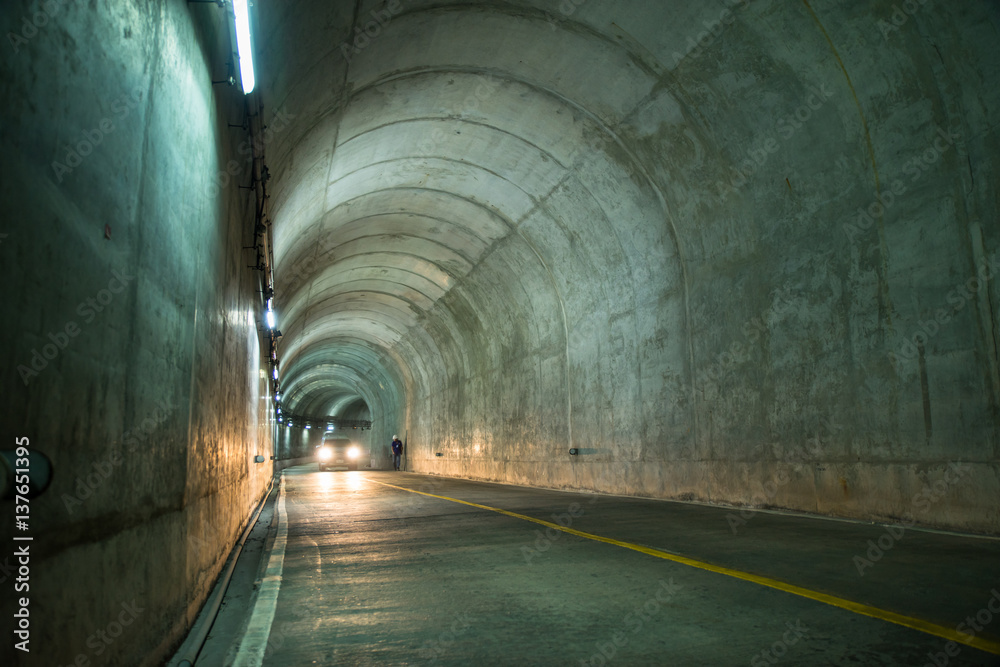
(521, 226)
(410, 162)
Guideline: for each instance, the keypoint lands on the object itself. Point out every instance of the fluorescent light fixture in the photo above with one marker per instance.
(330, 427)
(275, 373)
(270, 319)
(242, 14)
(279, 420)
(308, 427)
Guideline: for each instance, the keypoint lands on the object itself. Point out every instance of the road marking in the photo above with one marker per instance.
(254, 642)
(918, 624)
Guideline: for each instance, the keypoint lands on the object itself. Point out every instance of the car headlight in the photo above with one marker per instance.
(353, 452)
(325, 454)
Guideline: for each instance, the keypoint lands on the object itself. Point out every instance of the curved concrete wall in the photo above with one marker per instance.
(724, 248)
(156, 400)
(735, 251)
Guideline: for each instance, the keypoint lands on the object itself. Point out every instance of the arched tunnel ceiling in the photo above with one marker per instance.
(410, 161)
(581, 138)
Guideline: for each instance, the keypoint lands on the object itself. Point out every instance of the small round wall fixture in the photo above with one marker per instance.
(574, 451)
(28, 472)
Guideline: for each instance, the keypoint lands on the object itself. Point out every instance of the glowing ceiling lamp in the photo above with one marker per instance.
(242, 14)
(271, 321)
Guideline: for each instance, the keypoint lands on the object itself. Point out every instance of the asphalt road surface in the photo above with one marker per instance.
(386, 568)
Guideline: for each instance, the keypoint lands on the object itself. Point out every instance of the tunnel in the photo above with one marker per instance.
(732, 254)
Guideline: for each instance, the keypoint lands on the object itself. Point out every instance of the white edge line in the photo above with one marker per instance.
(255, 640)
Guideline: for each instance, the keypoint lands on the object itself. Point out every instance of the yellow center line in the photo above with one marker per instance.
(918, 624)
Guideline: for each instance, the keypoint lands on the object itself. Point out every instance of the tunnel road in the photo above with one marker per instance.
(379, 568)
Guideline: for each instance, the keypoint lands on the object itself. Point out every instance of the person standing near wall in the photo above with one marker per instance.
(397, 451)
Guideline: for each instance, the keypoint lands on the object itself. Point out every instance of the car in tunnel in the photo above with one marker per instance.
(338, 452)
